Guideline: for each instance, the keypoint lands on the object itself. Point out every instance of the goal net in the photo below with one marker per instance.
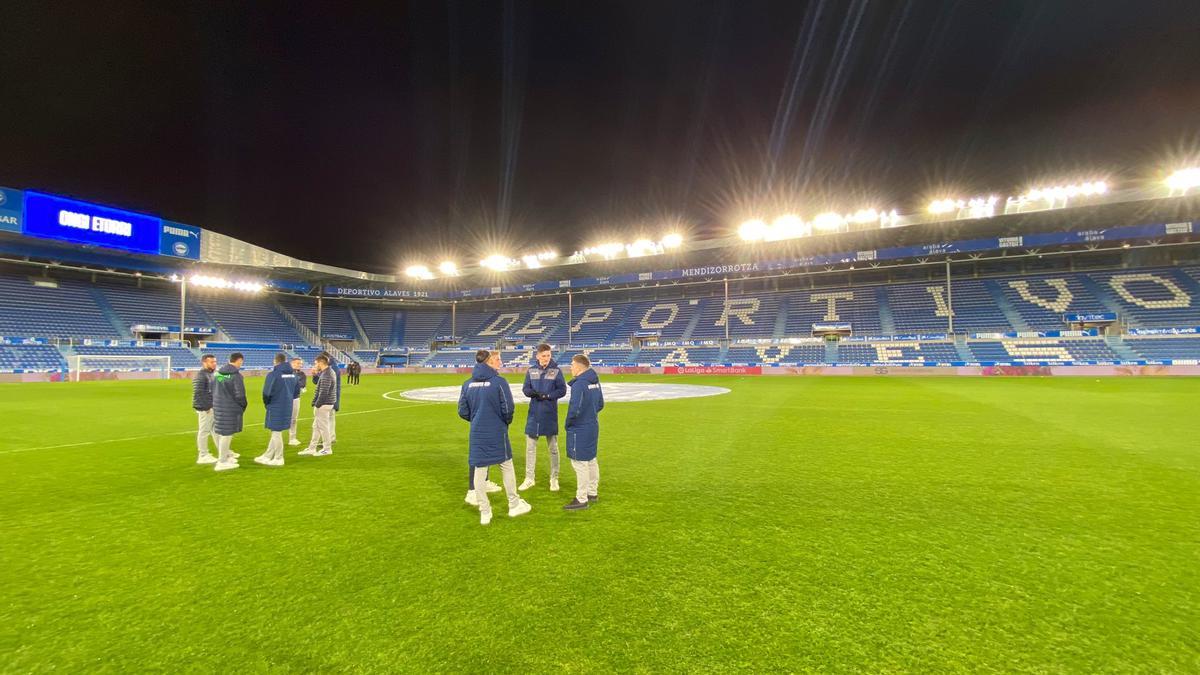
(92, 363)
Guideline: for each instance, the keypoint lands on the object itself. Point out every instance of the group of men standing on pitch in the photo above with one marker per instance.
(219, 399)
(487, 403)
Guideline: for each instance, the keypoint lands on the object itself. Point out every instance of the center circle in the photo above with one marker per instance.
(614, 392)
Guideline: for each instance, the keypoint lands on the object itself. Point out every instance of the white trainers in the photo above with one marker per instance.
(262, 459)
(485, 518)
(225, 466)
(307, 451)
(206, 459)
(526, 485)
(489, 486)
(324, 452)
(275, 462)
(520, 509)
(554, 485)
(293, 442)
(470, 499)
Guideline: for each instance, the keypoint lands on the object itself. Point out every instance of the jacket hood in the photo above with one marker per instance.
(284, 368)
(227, 369)
(588, 376)
(483, 372)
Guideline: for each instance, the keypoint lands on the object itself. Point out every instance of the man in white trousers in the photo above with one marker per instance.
(202, 403)
(487, 403)
(324, 396)
(300, 383)
(277, 399)
(229, 404)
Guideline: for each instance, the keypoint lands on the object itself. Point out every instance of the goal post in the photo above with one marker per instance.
(90, 363)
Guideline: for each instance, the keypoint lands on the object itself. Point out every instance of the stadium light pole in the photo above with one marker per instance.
(727, 309)
(949, 299)
(320, 308)
(453, 319)
(570, 316)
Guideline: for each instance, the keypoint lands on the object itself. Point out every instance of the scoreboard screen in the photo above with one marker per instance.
(51, 217)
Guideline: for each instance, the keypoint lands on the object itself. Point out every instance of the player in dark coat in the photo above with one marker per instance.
(229, 404)
(486, 402)
(278, 394)
(583, 432)
(544, 386)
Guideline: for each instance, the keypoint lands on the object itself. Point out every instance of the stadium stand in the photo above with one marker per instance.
(181, 357)
(150, 305)
(256, 357)
(1165, 348)
(31, 358)
(380, 326)
(1041, 350)
(249, 320)
(422, 325)
(68, 311)
(335, 318)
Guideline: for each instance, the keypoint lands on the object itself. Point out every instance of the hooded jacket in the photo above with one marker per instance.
(487, 403)
(582, 424)
(202, 390)
(229, 400)
(543, 415)
(277, 393)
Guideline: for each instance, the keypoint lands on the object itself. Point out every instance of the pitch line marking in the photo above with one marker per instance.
(191, 431)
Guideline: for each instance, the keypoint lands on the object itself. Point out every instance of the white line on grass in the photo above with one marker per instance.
(192, 431)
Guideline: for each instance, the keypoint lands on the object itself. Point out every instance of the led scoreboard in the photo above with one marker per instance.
(51, 217)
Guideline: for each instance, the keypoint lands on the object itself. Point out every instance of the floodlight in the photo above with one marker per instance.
(418, 272)
(1184, 179)
(448, 268)
(672, 240)
(496, 262)
(753, 230)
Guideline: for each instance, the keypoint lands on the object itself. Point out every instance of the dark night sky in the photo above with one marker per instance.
(374, 136)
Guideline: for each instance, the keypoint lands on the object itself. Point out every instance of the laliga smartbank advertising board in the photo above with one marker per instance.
(59, 218)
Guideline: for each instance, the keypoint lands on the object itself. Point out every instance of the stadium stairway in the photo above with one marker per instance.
(362, 338)
(782, 318)
(692, 323)
(305, 332)
(1014, 317)
(109, 313)
(831, 352)
(964, 353)
(1102, 294)
(887, 322)
(1122, 350)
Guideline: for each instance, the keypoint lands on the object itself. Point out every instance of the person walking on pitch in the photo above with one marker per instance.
(323, 400)
(583, 432)
(299, 383)
(278, 390)
(544, 386)
(486, 402)
(202, 403)
(229, 404)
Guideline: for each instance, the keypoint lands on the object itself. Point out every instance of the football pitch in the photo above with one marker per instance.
(794, 524)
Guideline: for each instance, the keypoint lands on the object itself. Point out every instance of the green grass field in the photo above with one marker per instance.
(795, 524)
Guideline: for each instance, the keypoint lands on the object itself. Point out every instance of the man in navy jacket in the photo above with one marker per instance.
(487, 403)
(300, 382)
(202, 403)
(323, 402)
(544, 385)
(229, 404)
(583, 432)
(278, 391)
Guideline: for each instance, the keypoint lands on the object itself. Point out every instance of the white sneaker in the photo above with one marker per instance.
(325, 452)
(275, 462)
(225, 466)
(526, 485)
(262, 459)
(206, 459)
(235, 455)
(470, 499)
(554, 485)
(489, 486)
(520, 509)
(293, 442)
(485, 518)
(307, 451)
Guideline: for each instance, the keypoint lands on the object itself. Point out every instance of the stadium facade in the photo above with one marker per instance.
(1102, 286)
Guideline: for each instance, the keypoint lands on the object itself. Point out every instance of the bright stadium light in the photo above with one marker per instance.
(1184, 180)
(448, 268)
(1057, 196)
(828, 221)
(497, 262)
(976, 207)
(641, 247)
(864, 216)
(940, 206)
(205, 281)
(419, 272)
(788, 227)
(753, 230)
(672, 240)
(607, 251)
